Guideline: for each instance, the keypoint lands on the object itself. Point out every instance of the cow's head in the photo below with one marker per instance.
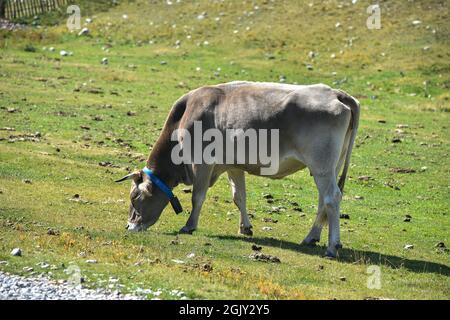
(147, 202)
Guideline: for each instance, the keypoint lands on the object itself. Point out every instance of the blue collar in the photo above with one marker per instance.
(165, 189)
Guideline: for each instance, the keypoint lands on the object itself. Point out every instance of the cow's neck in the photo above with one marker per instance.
(160, 162)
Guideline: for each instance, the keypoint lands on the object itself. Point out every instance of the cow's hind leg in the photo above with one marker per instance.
(202, 176)
(330, 196)
(237, 182)
(314, 234)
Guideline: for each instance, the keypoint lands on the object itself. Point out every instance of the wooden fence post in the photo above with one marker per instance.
(2, 8)
(13, 9)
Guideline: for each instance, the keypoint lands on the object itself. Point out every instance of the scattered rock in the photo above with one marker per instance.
(17, 252)
(391, 186)
(76, 198)
(267, 228)
(83, 32)
(267, 196)
(396, 140)
(359, 198)
(95, 90)
(178, 261)
(408, 247)
(27, 181)
(276, 209)
(364, 178)
(206, 267)
(402, 170)
(105, 61)
(108, 164)
(258, 256)
(343, 278)
(344, 216)
(92, 261)
(85, 127)
(269, 220)
(381, 121)
(440, 245)
(131, 113)
(43, 265)
(52, 232)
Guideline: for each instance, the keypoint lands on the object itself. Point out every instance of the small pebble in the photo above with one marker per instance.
(17, 252)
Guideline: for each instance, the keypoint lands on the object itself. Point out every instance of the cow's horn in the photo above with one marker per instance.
(132, 175)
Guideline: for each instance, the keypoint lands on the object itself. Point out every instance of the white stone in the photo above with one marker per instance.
(83, 31)
(16, 252)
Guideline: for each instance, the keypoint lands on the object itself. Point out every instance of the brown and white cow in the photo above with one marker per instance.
(316, 126)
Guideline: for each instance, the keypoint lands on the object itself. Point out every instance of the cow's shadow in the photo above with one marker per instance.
(348, 255)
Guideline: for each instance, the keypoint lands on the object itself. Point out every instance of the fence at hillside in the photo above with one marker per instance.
(11, 9)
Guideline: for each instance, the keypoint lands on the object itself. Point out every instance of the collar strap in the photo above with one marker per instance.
(176, 205)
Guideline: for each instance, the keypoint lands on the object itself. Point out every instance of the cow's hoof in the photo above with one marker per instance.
(246, 231)
(309, 242)
(330, 255)
(186, 230)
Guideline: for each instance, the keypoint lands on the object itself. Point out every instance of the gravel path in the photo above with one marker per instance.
(14, 287)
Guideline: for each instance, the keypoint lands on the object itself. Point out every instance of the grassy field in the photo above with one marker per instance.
(70, 125)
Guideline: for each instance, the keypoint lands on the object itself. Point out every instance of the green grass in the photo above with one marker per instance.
(387, 70)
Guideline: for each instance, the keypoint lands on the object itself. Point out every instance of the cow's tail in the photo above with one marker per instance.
(353, 104)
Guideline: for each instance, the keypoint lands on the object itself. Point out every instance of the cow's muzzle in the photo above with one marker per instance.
(135, 227)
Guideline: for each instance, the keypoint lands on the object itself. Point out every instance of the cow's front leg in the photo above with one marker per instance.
(237, 182)
(202, 175)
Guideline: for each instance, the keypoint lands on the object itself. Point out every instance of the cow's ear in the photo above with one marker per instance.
(136, 176)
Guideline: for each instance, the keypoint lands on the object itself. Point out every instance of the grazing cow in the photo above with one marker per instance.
(316, 129)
